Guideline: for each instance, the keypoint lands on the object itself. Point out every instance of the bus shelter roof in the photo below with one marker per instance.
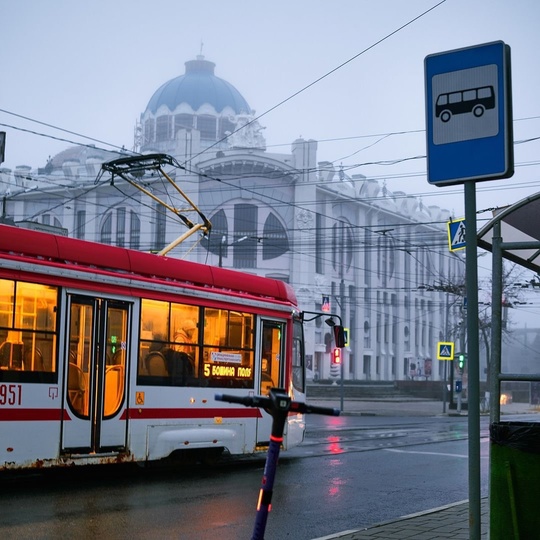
(520, 222)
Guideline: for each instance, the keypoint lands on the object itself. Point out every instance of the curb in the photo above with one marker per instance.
(345, 534)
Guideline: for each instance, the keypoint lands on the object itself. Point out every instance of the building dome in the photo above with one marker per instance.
(198, 86)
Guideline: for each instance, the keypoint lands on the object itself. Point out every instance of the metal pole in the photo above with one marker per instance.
(444, 389)
(494, 367)
(343, 316)
(471, 273)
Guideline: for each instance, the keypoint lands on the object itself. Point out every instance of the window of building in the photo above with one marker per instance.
(28, 331)
(367, 257)
(134, 231)
(106, 229)
(49, 219)
(245, 228)
(217, 242)
(120, 227)
(182, 121)
(367, 366)
(385, 259)
(275, 241)
(160, 228)
(206, 124)
(319, 246)
(225, 125)
(162, 128)
(342, 243)
(80, 224)
(245, 239)
(149, 127)
(114, 225)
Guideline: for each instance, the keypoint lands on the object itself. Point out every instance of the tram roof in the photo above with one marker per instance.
(83, 253)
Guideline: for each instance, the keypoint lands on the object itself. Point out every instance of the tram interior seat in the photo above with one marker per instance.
(76, 387)
(156, 365)
(179, 366)
(11, 355)
(33, 359)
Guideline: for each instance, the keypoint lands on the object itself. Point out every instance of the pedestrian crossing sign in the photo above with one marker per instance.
(445, 350)
(456, 234)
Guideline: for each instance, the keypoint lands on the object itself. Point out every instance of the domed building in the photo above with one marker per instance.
(197, 104)
(347, 242)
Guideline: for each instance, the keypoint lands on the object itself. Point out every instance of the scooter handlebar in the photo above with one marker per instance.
(306, 408)
(266, 402)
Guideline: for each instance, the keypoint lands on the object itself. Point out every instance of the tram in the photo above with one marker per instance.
(112, 355)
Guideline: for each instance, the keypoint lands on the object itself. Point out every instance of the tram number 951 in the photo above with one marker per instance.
(10, 394)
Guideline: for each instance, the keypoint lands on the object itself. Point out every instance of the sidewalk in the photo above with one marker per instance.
(409, 406)
(447, 522)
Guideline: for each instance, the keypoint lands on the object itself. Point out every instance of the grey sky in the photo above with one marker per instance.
(91, 67)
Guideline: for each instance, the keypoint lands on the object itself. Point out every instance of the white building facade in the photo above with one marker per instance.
(375, 256)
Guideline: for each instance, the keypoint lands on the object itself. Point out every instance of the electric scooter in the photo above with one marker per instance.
(278, 404)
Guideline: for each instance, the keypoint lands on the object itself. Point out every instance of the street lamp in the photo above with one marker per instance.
(223, 244)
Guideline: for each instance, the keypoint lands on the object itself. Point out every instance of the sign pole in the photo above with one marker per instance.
(444, 398)
(471, 272)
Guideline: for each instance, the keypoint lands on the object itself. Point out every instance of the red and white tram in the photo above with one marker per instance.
(109, 354)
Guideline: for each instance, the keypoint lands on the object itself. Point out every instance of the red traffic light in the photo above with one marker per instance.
(336, 356)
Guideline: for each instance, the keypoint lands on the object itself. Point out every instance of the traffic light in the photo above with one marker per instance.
(461, 362)
(339, 336)
(336, 356)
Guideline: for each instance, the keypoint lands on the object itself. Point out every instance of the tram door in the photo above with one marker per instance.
(272, 366)
(95, 375)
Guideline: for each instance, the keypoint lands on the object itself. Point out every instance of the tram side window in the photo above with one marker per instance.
(228, 348)
(28, 331)
(169, 344)
(177, 349)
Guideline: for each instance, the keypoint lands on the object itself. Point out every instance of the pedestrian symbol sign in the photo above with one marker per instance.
(456, 234)
(445, 350)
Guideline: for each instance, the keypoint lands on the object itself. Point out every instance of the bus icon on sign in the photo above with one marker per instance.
(463, 110)
(472, 100)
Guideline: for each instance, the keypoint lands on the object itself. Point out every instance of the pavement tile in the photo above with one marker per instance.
(447, 523)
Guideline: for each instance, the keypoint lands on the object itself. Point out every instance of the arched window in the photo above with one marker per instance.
(114, 227)
(275, 240)
(245, 235)
(106, 229)
(49, 219)
(217, 242)
(237, 229)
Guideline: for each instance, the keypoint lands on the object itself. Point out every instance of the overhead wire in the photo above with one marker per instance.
(350, 167)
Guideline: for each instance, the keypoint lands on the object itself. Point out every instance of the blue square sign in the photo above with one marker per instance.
(469, 114)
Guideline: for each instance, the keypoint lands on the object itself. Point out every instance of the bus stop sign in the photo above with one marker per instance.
(469, 114)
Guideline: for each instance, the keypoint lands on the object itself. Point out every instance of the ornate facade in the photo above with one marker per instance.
(374, 255)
